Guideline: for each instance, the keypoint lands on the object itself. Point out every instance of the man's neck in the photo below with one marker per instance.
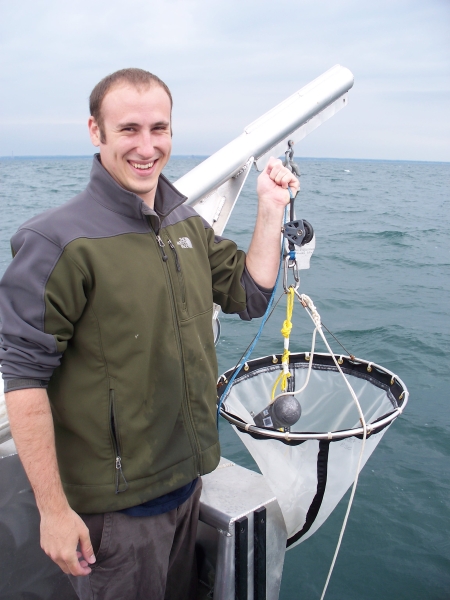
(148, 199)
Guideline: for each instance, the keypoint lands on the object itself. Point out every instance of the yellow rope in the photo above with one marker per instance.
(285, 331)
(275, 385)
(287, 324)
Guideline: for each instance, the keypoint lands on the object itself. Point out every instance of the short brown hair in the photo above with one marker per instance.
(136, 77)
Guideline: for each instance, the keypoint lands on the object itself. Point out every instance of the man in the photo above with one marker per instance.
(108, 355)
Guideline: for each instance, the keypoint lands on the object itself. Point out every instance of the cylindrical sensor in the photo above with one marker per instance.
(284, 412)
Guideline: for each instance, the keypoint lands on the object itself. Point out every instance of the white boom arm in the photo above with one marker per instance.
(214, 185)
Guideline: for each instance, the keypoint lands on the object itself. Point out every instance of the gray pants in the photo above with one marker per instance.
(143, 558)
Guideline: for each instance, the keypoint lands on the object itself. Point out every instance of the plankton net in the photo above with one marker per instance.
(310, 467)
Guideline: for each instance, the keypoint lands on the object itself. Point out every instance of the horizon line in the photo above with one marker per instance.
(204, 156)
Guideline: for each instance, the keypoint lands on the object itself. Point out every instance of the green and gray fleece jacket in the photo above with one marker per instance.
(109, 304)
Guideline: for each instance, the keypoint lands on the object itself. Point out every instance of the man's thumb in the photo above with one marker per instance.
(86, 547)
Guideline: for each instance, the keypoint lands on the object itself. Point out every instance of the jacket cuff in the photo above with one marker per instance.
(23, 384)
(257, 297)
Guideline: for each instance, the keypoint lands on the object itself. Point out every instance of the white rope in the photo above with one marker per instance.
(313, 313)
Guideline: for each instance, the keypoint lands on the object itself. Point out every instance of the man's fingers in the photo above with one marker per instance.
(284, 178)
(81, 560)
(273, 183)
(86, 547)
(273, 167)
(281, 175)
(76, 568)
(70, 565)
(272, 162)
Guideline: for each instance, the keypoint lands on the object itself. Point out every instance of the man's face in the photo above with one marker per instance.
(138, 138)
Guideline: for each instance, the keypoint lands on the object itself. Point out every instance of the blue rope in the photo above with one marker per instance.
(247, 355)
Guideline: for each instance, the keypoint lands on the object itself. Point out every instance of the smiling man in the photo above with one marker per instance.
(108, 353)
(138, 122)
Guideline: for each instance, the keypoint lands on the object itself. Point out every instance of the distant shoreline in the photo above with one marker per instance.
(204, 156)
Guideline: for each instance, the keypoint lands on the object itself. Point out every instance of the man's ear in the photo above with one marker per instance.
(94, 131)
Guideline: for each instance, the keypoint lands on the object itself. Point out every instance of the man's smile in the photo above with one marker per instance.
(142, 166)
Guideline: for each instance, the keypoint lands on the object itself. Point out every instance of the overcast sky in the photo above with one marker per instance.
(227, 62)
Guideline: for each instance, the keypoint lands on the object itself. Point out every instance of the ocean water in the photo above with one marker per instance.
(380, 279)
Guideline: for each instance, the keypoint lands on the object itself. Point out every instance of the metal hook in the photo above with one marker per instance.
(290, 264)
(289, 159)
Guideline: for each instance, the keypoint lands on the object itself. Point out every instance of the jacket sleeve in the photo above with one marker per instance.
(41, 297)
(233, 287)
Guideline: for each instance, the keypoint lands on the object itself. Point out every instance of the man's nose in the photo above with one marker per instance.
(146, 144)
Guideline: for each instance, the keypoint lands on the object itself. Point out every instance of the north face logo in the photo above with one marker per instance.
(184, 242)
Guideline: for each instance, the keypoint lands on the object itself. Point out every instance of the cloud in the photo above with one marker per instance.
(226, 63)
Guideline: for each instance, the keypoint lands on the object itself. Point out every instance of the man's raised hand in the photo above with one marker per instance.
(274, 181)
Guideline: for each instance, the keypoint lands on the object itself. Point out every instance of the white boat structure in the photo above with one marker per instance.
(247, 519)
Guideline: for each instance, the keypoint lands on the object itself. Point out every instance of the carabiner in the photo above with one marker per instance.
(290, 264)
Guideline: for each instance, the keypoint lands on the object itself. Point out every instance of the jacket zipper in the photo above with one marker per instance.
(115, 438)
(161, 245)
(180, 273)
(178, 337)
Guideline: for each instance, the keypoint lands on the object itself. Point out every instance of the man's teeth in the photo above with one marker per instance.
(147, 166)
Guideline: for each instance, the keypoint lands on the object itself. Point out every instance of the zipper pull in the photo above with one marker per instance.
(120, 475)
(172, 247)
(161, 244)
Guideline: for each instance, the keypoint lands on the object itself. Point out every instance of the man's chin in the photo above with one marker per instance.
(142, 190)
(141, 185)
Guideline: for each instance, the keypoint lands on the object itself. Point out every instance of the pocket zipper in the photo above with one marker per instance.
(118, 459)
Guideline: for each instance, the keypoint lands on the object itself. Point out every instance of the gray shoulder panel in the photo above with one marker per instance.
(181, 213)
(83, 216)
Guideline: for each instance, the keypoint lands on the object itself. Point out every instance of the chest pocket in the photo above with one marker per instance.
(190, 270)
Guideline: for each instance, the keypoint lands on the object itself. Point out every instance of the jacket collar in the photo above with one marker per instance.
(107, 192)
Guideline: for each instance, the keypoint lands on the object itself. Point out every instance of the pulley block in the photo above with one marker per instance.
(298, 232)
